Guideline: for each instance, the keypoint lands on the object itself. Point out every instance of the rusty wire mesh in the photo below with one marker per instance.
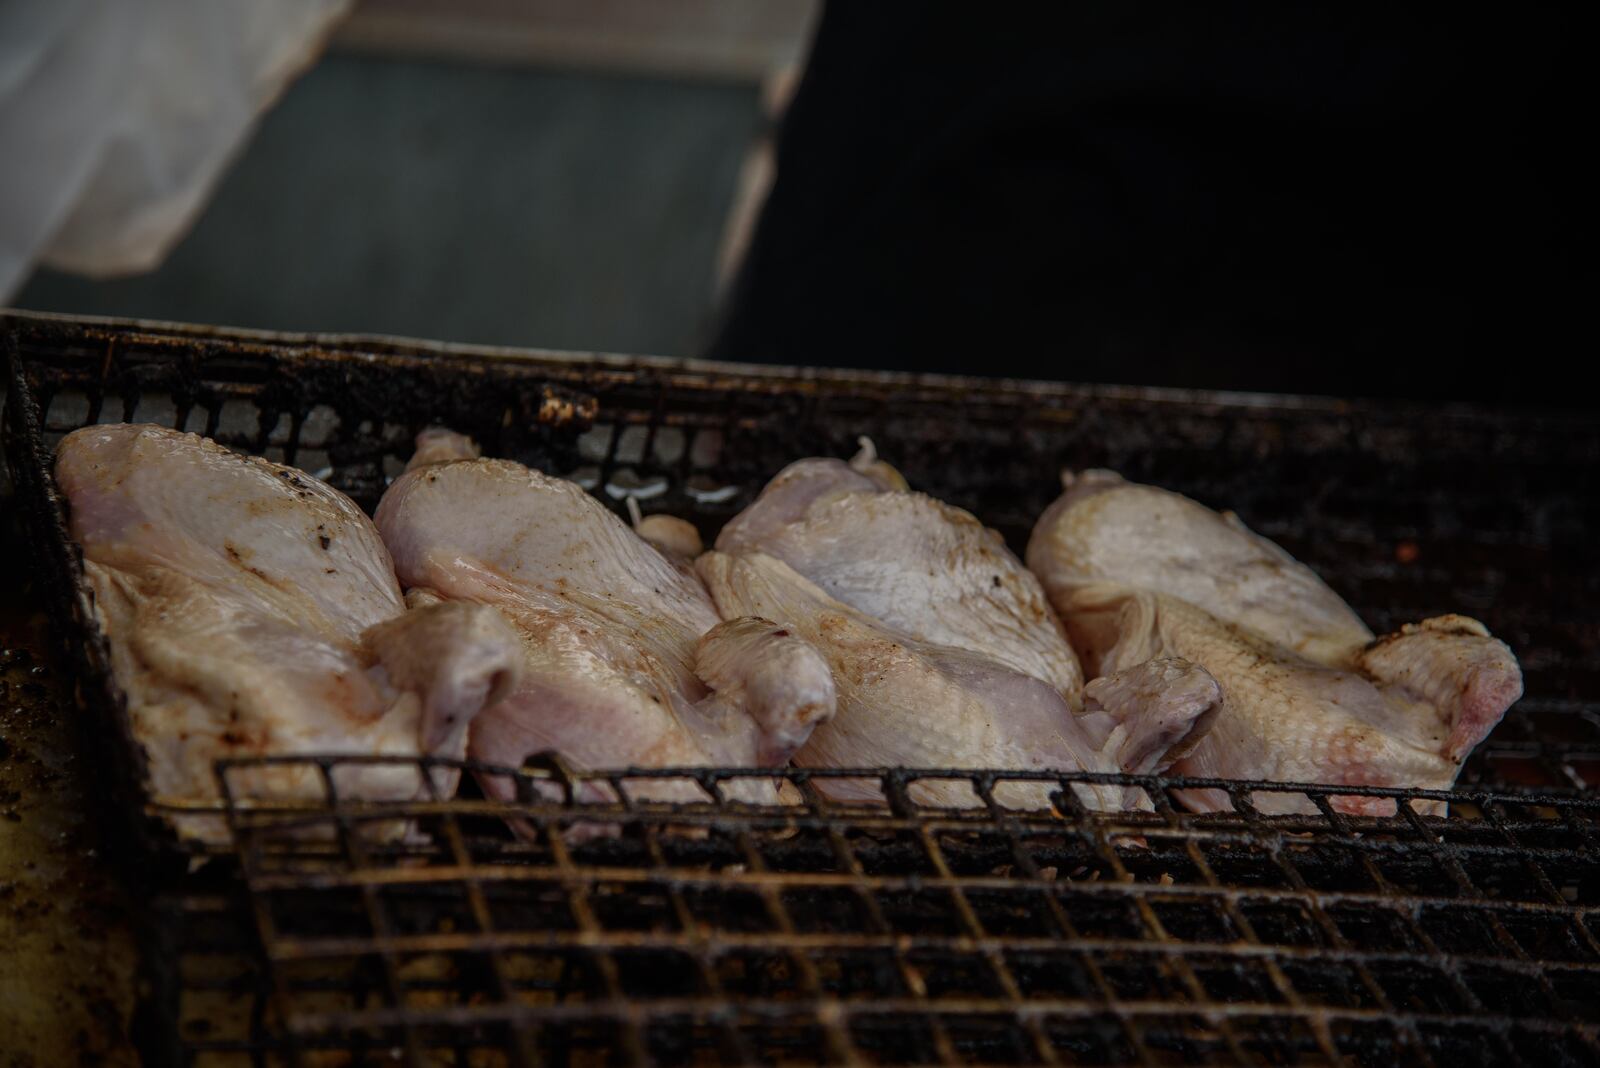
(638, 932)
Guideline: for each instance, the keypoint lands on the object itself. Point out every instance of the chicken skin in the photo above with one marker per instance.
(252, 609)
(969, 665)
(626, 661)
(905, 702)
(1309, 694)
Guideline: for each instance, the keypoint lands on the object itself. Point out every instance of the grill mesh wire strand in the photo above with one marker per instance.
(895, 933)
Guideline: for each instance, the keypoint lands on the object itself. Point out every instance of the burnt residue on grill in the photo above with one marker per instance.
(67, 985)
(893, 934)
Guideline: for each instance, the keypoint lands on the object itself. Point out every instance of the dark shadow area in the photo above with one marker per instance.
(1351, 202)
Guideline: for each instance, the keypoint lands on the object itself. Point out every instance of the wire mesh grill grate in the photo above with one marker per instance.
(641, 932)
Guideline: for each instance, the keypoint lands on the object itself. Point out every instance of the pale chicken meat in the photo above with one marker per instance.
(626, 661)
(1309, 694)
(1153, 539)
(252, 610)
(924, 568)
(906, 702)
(969, 624)
(676, 539)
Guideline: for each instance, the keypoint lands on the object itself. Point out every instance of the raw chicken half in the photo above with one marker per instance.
(1310, 695)
(252, 609)
(626, 662)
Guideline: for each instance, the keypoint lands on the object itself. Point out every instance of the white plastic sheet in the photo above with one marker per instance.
(117, 117)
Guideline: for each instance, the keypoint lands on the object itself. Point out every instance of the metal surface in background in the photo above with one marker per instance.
(479, 202)
(899, 934)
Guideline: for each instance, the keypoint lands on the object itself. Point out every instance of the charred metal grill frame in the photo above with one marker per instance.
(1314, 939)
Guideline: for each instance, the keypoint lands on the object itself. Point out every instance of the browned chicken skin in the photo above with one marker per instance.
(625, 660)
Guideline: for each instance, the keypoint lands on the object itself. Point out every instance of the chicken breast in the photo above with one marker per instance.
(924, 568)
(626, 660)
(1309, 695)
(252, 610)
(1104, 527)
(906, 702)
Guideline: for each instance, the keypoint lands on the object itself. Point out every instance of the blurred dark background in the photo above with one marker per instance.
(1347, 201)
(1344, 200)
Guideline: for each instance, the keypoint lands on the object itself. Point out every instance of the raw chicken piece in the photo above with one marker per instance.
(676, 539)
(924, 568)
(1322, 703)
(252, 609)
(622, 646)
(1104, 527)
(437, 445)
(778, 680)
(905, 702)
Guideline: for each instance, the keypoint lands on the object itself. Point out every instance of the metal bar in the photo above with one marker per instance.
(841, 1048)
(604, 965)
(1237, 918)
(352, 850)
(704, 951)
(619, 1009)
(867, 901)
(1108, 855)
(291, 948)
(521, 1049)
(1064, 924)
(379, 876)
